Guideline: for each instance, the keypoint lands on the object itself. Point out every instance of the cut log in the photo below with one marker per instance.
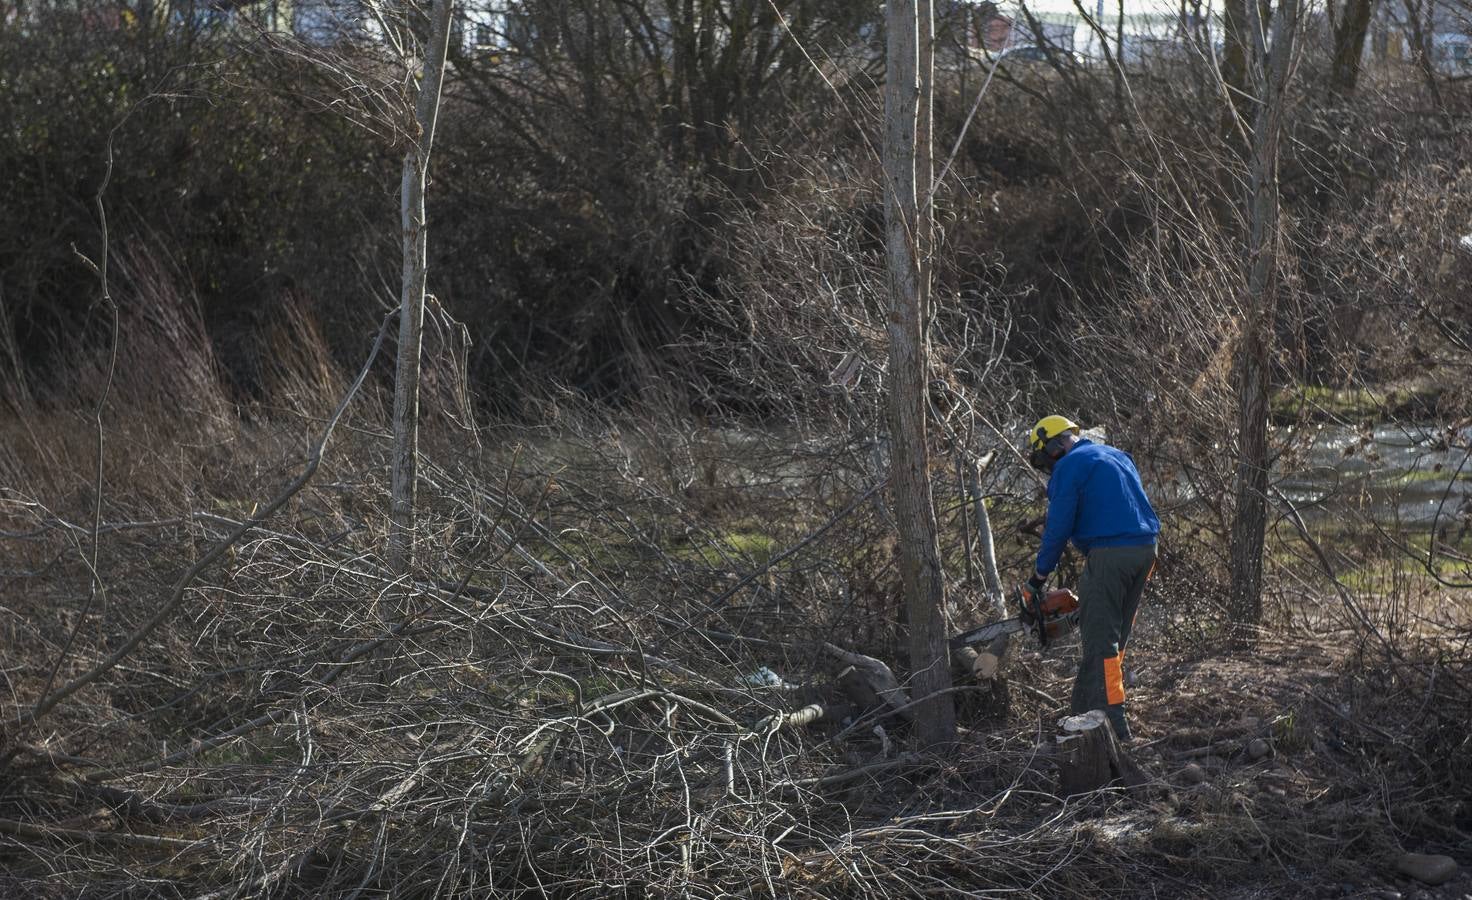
(812, 714)
(966, 658)
(1090, 757)
(805, 716)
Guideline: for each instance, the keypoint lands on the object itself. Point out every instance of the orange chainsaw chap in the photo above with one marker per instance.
(1114, 678)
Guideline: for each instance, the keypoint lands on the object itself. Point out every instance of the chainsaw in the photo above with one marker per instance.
(1046, 618)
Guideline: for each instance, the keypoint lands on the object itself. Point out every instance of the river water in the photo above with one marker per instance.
(1402, 475)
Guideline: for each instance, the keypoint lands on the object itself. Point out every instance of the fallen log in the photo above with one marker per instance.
(859, 688)
(868, 682)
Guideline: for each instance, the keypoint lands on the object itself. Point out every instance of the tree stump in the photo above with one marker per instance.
(986, 664)
(1090, 757)
(995, 703)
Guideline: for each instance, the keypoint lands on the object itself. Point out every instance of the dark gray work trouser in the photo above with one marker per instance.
(1109, 595)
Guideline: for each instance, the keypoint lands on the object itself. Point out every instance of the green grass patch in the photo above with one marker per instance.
(760, 548)
(1429, 476)
(752, 547)
(1318, 403)
(1383, 575)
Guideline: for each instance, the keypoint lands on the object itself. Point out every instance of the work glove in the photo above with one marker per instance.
(1035, 585)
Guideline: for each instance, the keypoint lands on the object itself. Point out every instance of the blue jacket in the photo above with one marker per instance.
(1095, 498)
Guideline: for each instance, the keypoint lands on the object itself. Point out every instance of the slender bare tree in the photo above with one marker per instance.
(1270, 70)
(908, 169)
(1349, 44)
(429, 74)
(1236, 40)
(1418, 21)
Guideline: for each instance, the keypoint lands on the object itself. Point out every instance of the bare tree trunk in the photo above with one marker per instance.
(411, 303)
(1254, 354)
(985, 664)
(908, 168)
(1420, 19)
(924, 230)
(1349, 44)
(1234, 49)
(986, 545)
(1242, 26)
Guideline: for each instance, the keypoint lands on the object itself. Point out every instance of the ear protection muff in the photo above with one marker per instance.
(1044, 457)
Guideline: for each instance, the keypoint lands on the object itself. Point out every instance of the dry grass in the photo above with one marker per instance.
(555, 704)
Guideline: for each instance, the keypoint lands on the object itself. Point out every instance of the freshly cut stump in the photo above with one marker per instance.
(985, 665)
(1090, 757)
(992, 704)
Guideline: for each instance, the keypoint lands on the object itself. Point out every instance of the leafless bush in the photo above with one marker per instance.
(323, 736)
(561, 704)
(568, 697)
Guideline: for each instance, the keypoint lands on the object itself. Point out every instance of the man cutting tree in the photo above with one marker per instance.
(1096, 500)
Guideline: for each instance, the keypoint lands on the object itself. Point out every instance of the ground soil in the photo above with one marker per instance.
(1340, 793)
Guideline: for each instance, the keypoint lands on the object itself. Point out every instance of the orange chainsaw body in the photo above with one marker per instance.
(1047, 619)
(1059, 606)
(1059, 602)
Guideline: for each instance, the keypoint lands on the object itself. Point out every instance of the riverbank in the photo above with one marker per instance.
(1417, 400)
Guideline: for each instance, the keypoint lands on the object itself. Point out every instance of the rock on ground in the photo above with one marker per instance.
(1427, 868)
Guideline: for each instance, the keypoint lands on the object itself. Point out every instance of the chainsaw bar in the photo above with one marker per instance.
(1048, 618)
(987, 633)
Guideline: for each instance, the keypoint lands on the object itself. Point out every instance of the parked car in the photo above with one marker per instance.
(1031, 55)
(1024, 54)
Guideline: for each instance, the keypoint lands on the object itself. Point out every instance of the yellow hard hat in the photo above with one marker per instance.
(1048, 428)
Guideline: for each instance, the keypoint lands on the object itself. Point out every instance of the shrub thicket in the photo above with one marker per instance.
(578, 243)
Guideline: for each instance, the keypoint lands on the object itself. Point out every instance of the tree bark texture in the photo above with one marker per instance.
(908, 172)
(411, 302)
(1349, 44)
(1254, 356)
